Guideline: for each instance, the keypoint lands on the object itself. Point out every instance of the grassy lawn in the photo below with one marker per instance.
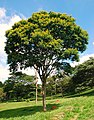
(73, 108)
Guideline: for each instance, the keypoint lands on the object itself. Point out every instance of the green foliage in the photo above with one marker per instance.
(83, 77)
(66, 85)
(60, 84)
(2, 95)
(19, 86)
(44, 40)
(52, 86)
(1, 84)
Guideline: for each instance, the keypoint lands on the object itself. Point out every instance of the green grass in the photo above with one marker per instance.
(73, 108)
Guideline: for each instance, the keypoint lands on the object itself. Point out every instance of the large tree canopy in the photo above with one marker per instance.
(44, 41)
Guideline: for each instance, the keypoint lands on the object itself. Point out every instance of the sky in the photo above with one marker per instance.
(12, 11)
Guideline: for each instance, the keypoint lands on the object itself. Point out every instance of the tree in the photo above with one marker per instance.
(44, 41)
(51, 86)
(8, 88)
(1, 84)
(2, 95)
(66, 85)
(84, 75)
(19, 86)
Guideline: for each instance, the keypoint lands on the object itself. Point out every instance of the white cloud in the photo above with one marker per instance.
(40, 9)
(5, 23)
(93, 43)
(82, 59)
(29, 71)
(2, 13)
(4, 72)
(14, 19)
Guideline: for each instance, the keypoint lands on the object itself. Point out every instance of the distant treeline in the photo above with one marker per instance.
(20, 86)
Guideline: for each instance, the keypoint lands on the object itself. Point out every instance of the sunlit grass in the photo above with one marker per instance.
(74, 108)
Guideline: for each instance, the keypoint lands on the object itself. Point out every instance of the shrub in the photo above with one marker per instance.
(2, 95)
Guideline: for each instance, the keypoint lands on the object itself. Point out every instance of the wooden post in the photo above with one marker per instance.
(36, 84)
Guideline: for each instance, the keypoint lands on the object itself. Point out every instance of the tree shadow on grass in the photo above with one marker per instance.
(25, 111)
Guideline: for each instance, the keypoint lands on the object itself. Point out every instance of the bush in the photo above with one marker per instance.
(2, 95)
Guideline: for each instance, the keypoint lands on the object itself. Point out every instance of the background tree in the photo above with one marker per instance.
(2, 95)
(19, 86)
(83, 77)
(1, 84)
(51, 86)
(66, 85)
(56, 85)
(44, 41)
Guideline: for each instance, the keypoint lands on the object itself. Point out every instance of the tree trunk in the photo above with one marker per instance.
(55, 88)
(44, 95)
(36, 92)
(62, 91)
(36, 84)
